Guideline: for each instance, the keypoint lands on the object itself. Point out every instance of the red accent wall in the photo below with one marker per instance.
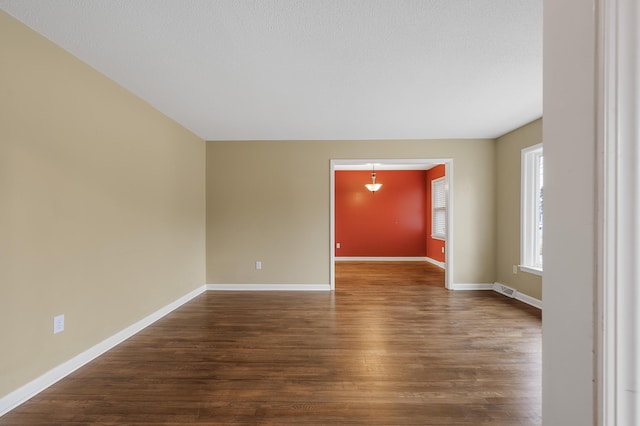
(388, 223)
(434, 247)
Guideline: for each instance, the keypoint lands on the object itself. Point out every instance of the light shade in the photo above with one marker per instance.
(373, 186)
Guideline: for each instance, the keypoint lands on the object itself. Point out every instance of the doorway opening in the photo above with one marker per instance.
(395, 164)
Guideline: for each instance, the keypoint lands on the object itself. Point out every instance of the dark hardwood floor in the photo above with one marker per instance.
(389, 346)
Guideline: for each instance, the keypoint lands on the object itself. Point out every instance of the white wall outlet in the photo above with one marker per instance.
(258, 265)
(58, 324)
(515, 269)
(443, 249)
(337, 245)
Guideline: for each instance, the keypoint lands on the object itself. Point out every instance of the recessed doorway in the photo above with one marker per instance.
(395, 164)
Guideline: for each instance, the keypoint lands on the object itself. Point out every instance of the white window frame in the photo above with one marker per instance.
(441, 208)
(530, 215)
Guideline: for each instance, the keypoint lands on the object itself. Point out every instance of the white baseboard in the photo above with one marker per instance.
(536, 303)
(503, 289)
(436, 262)
(22, 394)
(268, 287)
(380, 259)
(471, 286)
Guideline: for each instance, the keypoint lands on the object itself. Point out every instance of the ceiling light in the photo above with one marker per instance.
(373, 186)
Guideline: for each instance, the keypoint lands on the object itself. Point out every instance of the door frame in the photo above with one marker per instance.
(399, 163)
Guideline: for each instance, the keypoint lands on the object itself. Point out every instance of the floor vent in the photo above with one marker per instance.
(503, 289)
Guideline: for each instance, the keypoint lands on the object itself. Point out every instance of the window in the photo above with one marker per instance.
(439, 208)
(531, 221)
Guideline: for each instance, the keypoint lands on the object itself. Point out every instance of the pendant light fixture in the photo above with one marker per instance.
(373, 186)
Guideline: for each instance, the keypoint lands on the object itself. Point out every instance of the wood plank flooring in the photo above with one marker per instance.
(389, 346)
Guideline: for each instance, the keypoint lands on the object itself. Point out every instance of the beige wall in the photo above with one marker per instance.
(570, 283)
(269, 201)
(508, 150)
(102, 206)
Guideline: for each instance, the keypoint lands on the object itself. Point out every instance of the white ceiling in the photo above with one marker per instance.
(313, 69)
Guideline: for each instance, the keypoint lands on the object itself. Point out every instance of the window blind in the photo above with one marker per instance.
(439, 208)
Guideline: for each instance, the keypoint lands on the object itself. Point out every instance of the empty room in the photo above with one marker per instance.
(316, 212)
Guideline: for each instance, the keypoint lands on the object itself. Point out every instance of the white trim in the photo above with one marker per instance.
(268, 287)
(332, 223)
(532, 301)
(618, 207)
(504, 290)
(515, 294)
(499, 288)
(530, 270)
(439, 264)
(387, 164)
(448, 255)
(342, 164)
(31, 389)
(380, 259)
(528, 206)
(34, 387)
(471, 286)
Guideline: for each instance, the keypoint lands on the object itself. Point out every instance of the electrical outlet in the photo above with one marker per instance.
(515, 269)
(337, 245)
(258, 265)
(58, 324)
(442, 249)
